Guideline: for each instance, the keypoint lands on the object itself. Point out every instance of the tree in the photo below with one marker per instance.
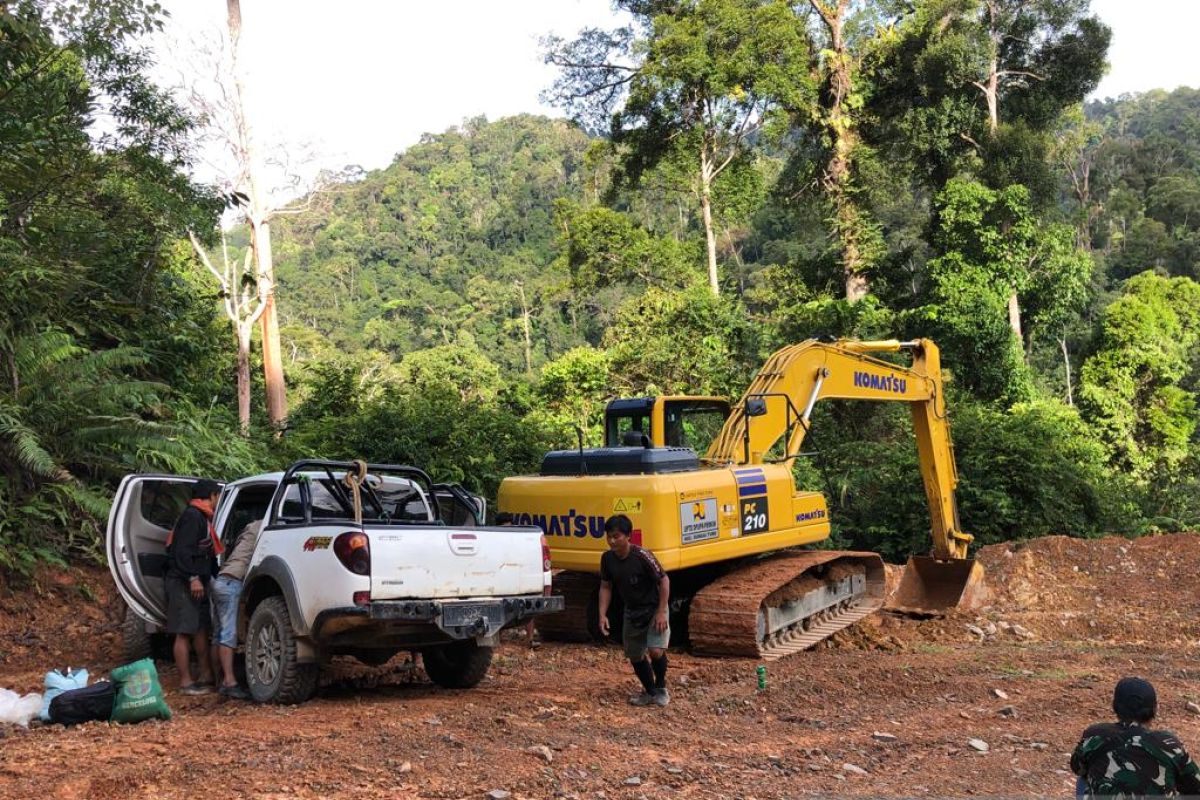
(244, 300)
(983, 82)
(991, 247)
(99, 307)
(681, 342)
(258, 214)
(836, 109)
(696, 81)
(1135, 387)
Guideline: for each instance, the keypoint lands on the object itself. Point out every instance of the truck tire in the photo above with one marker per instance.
(460, 665)
(136, 643)
(272, 672)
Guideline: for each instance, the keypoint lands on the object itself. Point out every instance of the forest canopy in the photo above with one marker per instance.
(905, 171)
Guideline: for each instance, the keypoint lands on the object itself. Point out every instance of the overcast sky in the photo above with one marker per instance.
(363, 79)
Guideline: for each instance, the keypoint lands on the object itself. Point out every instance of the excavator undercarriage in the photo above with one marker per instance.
(765, 607)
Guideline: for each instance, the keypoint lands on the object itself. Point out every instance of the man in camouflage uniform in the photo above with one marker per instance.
(1125, 759)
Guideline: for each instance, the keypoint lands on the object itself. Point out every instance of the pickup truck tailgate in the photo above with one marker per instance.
(438, 562)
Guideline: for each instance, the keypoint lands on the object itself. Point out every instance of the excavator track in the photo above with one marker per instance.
(574, 623)
(776, 606)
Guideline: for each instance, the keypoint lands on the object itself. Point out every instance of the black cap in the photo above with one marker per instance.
(1134, 699)
(205, 489)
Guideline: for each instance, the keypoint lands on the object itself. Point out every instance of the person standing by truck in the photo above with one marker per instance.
(226, 593)
(644, 588)
(192, 548)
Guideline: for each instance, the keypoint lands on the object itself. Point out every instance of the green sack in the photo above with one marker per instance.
(139, 694)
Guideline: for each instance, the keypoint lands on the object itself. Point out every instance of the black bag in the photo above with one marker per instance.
(83, 705)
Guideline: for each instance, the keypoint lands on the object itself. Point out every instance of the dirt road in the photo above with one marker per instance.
(987, 703)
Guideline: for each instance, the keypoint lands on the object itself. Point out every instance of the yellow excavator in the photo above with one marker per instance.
(728, 526)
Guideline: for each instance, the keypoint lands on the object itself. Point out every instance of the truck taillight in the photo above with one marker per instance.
(353, 549)
(545, 554)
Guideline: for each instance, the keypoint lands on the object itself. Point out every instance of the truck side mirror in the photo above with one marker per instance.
(756, 407)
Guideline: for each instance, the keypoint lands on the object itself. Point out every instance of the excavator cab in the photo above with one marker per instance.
(665, 421)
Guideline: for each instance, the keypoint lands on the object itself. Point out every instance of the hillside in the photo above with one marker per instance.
(455, 236)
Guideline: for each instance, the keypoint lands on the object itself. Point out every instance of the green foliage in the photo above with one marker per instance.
(457, 234)
(571, 393)
(1044, 55)
(684, 342)
(98, 306)
(1033, 470)
(991, 247)
(1139, 387)
(458, 367)
(1144, 176)
(469, 440)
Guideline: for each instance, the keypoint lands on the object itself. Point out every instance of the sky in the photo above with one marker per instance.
(362, 80)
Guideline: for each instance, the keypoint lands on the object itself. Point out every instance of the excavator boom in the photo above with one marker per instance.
(814, 370)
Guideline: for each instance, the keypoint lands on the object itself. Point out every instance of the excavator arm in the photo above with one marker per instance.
(779, 402)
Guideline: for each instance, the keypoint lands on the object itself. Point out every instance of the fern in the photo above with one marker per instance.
(23, 446)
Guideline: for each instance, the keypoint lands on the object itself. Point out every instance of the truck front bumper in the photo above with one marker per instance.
(467, 619)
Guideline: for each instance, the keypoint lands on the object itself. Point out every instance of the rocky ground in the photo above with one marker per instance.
(984, 703)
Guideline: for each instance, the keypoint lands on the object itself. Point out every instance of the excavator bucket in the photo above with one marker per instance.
(934, 586)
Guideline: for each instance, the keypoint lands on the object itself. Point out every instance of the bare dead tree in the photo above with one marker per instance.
(243, 298)
(260, 180)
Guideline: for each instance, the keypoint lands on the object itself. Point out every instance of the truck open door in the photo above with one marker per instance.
(144, 510)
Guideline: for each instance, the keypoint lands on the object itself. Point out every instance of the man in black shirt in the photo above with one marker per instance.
(644, 588)
(192, 548)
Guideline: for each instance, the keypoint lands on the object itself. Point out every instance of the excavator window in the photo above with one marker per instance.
(624, 424)
(625, 415)
(693, 423)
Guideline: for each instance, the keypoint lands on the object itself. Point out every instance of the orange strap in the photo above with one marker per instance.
(203, 508)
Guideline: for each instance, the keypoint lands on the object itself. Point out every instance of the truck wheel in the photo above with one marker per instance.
(272, 671)
(460, 665)
(135, 639)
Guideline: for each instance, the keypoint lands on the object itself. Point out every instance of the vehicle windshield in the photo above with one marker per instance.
(387, 499)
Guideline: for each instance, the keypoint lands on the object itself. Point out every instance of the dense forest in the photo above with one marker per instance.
(732, 176)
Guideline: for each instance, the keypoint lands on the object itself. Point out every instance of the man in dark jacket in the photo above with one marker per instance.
(1125, 759)
(192, 548)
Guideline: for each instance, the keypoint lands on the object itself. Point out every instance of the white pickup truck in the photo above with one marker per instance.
(419, 573)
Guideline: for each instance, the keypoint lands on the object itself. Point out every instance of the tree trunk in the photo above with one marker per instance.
(525, 325)
(837, 182)
(992, 96)
(710, 239)
(243, 376)
(1067, 363)
(1014, 316)
(260, 230)
(276, 389)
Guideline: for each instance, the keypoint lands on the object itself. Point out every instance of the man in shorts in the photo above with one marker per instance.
(192, 547)
(226, 594)
(644, 588)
